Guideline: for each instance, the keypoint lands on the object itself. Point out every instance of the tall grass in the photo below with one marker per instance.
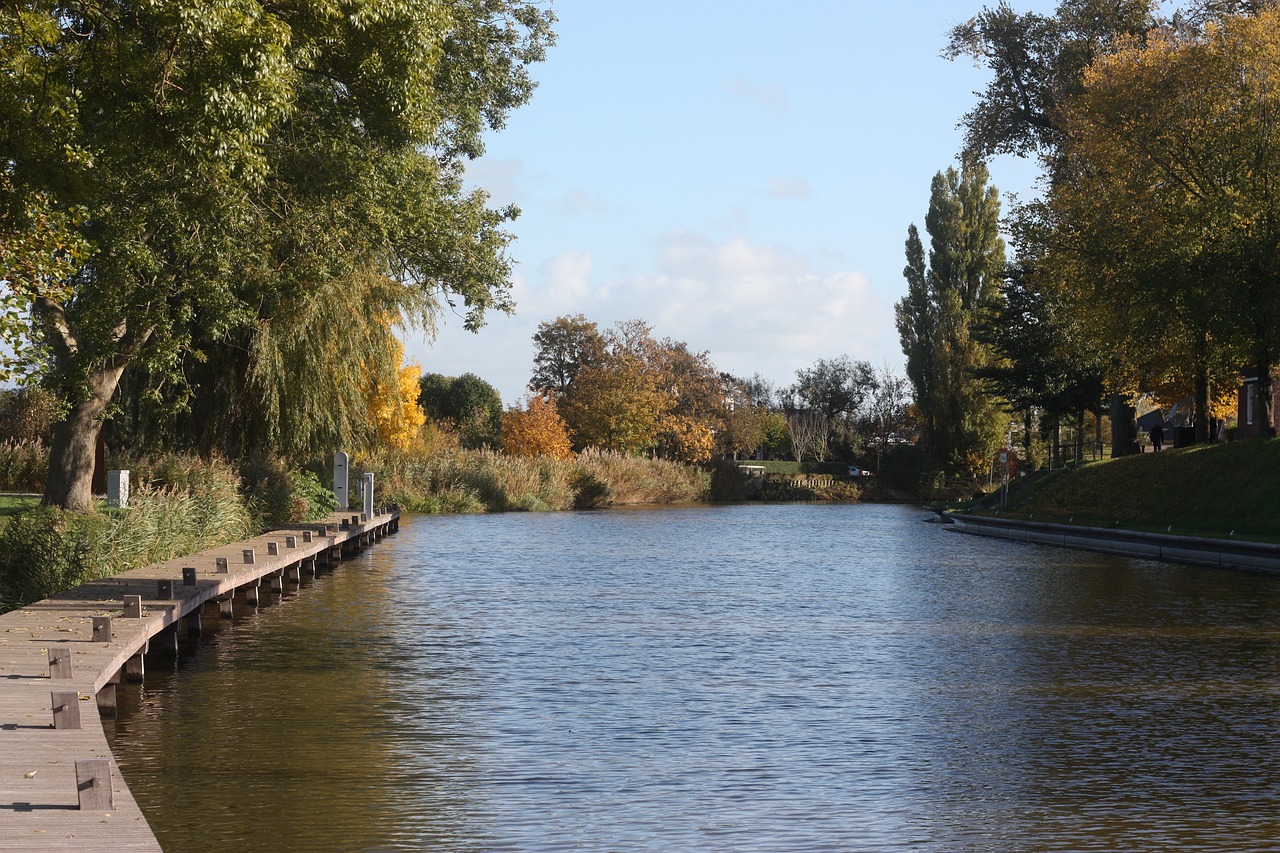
(47, 550)
(611, 479)
(486, 481)
(24, 466)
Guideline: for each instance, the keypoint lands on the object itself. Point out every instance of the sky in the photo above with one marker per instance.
(739, 175)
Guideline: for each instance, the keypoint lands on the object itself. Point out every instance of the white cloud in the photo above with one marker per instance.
(789, 188)
(770, 96)
(760, 308)
(567, 279)
(500, 178)
(756, 308)
(580, 203)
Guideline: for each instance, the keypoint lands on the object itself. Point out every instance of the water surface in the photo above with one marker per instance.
(748, 678)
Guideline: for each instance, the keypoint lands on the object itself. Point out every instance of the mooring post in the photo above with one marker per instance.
(107, 697)
(135, 669)
(66, 709)
(251, 592)
(293, 573)
(225, 608)
(133, 607)
(194, 625)
(309, 565)
(164, 590)
(277, 581)
(291, 541)
(306, 536)
(220, 563)
(165, 643)
(93, 782)
(59, 662)
(249, 557)
(273, 549)
(188, 575)
(102, 632)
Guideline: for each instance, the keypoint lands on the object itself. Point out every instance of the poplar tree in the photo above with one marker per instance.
(961, 425)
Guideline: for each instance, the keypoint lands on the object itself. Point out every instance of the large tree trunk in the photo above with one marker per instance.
(1124, 426)
(1202, 405)
(1266, 419)
(75, 439)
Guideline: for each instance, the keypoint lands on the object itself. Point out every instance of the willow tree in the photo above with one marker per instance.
(221, 164)
(961, 425)
(1175, 163)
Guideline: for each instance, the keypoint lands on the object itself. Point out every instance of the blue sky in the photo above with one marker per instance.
(739, 175)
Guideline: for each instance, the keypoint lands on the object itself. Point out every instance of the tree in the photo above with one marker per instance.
(960, 424)
(536, 429)
(562, 347)
(1178, 135)
(887, 411)
(1037, 62)
(467, 404)
(1040, 364)
(837, 388)
(223, 158)
(394, 411)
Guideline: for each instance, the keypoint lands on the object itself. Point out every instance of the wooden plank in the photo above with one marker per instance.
(42, 766)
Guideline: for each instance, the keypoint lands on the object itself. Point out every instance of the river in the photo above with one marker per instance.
(740, 678)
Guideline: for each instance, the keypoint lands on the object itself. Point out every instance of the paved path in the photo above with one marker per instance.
(44, 805)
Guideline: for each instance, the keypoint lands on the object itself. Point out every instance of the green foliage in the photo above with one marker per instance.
(47, 550)
(1036, 63)
(212, 171)
(960, 424)
(278, 495)
(42, 552)
(467, 404)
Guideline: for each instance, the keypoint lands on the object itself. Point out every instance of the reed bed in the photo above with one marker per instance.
(486, 481)
(47, 550)
(24, 465)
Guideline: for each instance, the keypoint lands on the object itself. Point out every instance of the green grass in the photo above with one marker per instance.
(14, 504)
(1209, 490)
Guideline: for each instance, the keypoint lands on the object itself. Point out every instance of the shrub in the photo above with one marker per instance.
(279, 495)
(46, 550)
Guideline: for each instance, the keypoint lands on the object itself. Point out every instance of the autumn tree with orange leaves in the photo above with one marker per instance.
(535, 429)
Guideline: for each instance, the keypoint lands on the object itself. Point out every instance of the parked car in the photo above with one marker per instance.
(855, 471)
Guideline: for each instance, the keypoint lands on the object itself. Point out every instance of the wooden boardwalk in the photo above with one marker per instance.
(60, 659)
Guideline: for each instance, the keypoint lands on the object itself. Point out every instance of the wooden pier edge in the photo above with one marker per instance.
(61, 658)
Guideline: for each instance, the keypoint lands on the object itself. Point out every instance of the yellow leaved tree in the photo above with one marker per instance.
(394, 413)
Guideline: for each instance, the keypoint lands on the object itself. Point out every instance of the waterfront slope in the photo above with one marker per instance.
(1210, 490)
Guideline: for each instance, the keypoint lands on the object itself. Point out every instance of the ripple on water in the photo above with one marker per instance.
(736, 678)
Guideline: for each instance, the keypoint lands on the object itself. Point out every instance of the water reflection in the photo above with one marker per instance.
(740, 678)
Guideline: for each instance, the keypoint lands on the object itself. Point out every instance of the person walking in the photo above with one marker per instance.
(1157, 436)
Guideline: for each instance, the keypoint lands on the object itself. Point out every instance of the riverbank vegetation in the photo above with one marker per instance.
(1140, 290)
(1204, 490)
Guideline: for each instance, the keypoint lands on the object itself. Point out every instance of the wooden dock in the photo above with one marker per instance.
(61, 658)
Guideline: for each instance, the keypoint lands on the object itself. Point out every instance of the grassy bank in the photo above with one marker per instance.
(1208, 490)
